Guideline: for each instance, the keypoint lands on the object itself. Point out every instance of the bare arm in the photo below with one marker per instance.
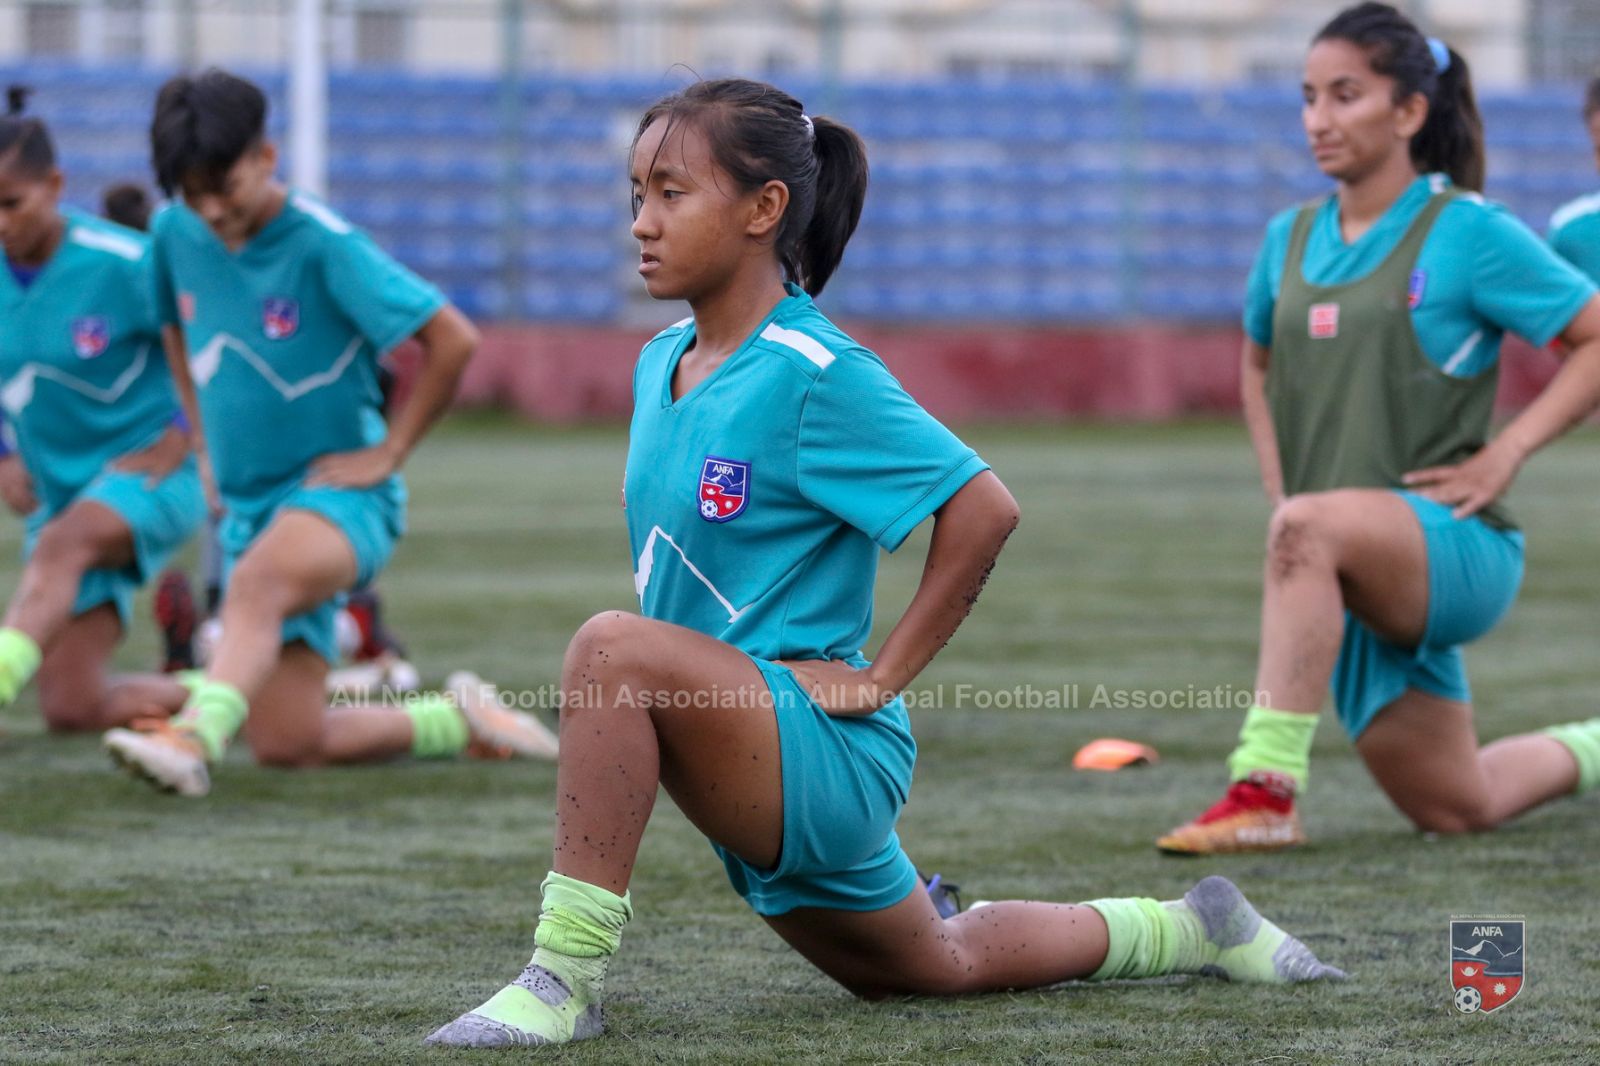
(448, 341)
(968, 533)
(1258, 418)
(1569, 398)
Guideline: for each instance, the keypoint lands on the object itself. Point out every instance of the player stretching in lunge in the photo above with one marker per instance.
(1374, 321)
(103, 470)
(770, 457)
(278, 310)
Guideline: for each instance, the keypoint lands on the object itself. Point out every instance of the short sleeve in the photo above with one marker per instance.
(871, 455)
(1519, 283)
(158, 273)
(1579, 244)
(1266, 274)
(387, 302)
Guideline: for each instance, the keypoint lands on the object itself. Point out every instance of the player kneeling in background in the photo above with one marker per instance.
(275, 313)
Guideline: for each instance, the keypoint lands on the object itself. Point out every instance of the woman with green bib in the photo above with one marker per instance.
(1373, 320)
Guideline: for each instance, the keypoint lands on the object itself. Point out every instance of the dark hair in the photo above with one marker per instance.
(24, 140)
(1451, 139)
(759, 133)
(1591, 99)
(204, 124)
(127, 204)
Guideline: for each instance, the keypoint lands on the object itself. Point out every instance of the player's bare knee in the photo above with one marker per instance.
(62, 550)
(288, 754)
(601, 649)
(1295, 537)
(258, 590)
(62, 714)
(1466, 817)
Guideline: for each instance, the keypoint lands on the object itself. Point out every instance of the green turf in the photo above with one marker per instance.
(338, 916)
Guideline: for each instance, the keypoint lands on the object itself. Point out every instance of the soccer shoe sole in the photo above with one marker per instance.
(1240, 833)
(515, 731)
(151, 760)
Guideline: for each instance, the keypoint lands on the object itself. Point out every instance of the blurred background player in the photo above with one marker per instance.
(127, 203)
(775, 456)
(1575, 227)
(103, 470)
(275, 314)
(1374, 319)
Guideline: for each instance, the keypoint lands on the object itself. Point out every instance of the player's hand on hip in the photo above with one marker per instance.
(1467, 487)
(359, 469)
(159, 459)
(16, 487)
(838, 688)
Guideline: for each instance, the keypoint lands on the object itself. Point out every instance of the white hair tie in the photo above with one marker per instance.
(811, 129)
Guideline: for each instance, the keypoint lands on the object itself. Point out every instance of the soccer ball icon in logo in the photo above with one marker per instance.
(1468, 1000)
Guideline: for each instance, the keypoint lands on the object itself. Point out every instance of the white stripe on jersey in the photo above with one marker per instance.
(1583, 205)
(806, 346)
(101, 241)
(1453, 364)
(18, 392)
(647, 562)
(322, 213)
(204, 363)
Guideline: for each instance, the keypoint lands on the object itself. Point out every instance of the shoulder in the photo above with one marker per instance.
(1583, 212)
(107, 240)
(317, 223)
(814, 346)
(1275, 242)
(318, 214)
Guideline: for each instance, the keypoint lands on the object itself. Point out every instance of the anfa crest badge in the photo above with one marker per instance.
(724, 489)
(280, 317)
(1487, 962)
(90, 335)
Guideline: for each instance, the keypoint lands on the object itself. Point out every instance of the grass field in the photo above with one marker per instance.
(339, 916)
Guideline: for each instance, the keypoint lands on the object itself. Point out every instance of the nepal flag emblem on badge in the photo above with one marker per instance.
(90, 336)
(724, 489)
(280, 317)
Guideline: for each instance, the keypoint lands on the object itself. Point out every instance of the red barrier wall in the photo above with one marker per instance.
(569, 374)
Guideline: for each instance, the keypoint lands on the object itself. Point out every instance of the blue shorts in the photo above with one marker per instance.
(372, 520)
(161, 517)
(844, 782)
(1474, 572)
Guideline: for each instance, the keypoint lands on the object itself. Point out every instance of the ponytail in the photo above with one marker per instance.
(841, 191)
(1451, 139)
(24, 140)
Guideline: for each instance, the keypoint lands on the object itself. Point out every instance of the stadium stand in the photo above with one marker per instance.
(1013, 201)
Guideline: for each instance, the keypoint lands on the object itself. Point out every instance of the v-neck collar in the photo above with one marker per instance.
(22, 292)
(688, 337)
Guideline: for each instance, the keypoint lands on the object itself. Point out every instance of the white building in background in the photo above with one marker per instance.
(1508, 41)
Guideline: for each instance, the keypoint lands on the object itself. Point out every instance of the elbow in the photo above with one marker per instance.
(1005, 509)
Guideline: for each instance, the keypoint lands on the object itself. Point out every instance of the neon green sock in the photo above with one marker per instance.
(1274, 742)
(214, 713)
(438, 730)
(557, 997)
(1583, 740)
(19, 661)
(1212, 930)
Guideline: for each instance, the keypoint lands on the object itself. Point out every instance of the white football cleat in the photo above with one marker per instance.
(498, 732)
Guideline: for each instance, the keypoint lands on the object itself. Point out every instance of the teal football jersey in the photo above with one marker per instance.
(1481, 273)
(757, 502)
(1575, 234)
(85, 379)
(284, 339)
